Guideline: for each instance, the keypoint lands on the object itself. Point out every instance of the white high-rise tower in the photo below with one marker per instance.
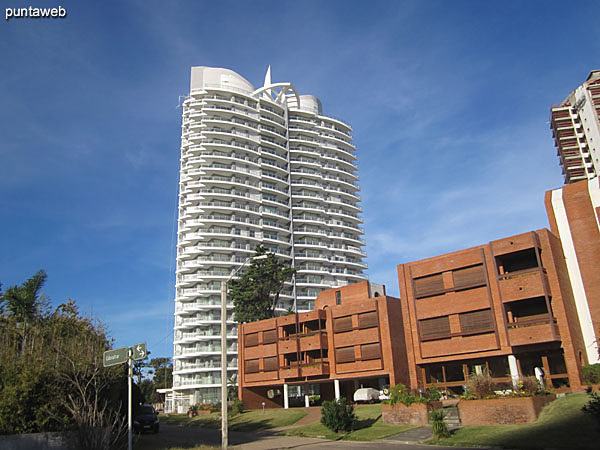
(258, 166)
(575, 125)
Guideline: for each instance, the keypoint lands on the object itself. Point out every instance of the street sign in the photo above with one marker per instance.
(139, 351)
(116, 356)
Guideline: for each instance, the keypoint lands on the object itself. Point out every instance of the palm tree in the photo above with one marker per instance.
(24, 302)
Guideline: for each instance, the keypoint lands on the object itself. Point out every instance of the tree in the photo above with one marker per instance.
(24, 303)
(256, 293)
(51, 373)
(162, 369)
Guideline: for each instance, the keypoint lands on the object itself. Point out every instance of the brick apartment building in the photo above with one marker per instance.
(353, 338)
(505, 307)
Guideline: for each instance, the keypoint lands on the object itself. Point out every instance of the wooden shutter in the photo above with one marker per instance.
(477, 320)
(251, 366)
(370, 351)
(469, 276)
(344, 354)
(250, 340)
(438, 326)
(428, 285)
(368, 320)
(270, 363)
(342, 324)
(269, 336)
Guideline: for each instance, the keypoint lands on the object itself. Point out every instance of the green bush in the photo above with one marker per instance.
(440, 429)
(591, 374)
(433, 394)
(593, 407)
(338, 415)
(401, 394)
(237, 406)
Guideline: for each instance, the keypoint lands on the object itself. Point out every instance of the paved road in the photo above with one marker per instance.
(189, 437)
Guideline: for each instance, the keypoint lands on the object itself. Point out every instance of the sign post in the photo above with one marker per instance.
(129, 378)
(120, 356)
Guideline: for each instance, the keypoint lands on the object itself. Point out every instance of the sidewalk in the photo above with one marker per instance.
(416, 436)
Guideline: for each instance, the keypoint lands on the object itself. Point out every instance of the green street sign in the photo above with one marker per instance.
(116, 356)
(139, 351)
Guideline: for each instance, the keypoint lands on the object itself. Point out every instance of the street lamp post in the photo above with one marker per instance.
(224, 436)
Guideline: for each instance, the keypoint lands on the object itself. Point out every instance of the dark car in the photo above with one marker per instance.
(145, 418)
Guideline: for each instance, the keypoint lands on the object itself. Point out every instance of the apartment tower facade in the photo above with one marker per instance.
(575, 125)
(258, 166)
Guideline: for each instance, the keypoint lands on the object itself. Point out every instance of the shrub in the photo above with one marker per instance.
(529, 386)
(593, 407)
(433, 394)
(338, 415)
(440, 429)
(591, 374)
(401, 394)
(480, 386)
(237, 406)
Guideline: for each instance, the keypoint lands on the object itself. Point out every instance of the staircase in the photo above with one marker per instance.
(452, 419)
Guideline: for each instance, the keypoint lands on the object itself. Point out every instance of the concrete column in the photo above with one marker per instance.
(286, 402)
(306, 401)
(336, 386)
(514, 370)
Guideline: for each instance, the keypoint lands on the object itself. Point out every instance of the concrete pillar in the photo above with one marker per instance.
(514, 370)
(336, 386)
(286, 402)
(306, 401)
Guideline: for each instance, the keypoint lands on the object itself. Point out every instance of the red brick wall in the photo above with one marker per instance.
(502, 411)
(416, 414)
(253, 397)
(586, 240)
(349, 294)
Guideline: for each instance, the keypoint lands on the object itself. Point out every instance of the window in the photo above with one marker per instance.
(270, 364)
(338, 297)
(469, 276)
(251, 366)
(342, 324)
(477, 320)
(438, 326)
(344, 354)
(269, 336)
(250, 340)
(368, 320)
(370, 351)
(428, 285)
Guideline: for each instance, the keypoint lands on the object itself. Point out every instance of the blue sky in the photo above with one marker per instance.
(449, 101)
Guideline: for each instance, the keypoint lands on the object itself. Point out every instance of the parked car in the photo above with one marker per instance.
(366, 395)
(145, 418)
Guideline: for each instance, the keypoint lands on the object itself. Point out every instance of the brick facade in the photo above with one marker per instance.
(469, 310)
(348, 338)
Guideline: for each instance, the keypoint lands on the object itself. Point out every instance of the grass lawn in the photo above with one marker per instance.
(368, 427)
(562, 424)
(247, 421)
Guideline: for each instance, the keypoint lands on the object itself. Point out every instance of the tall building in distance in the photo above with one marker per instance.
(575, 125)
(258, 166)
